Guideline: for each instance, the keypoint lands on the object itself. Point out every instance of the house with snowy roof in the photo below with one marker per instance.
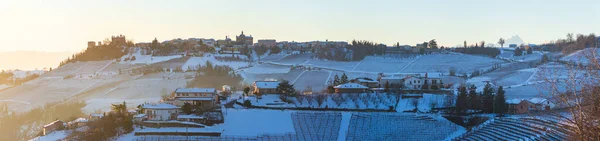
(205, 98)
(350, 88)
(522, 106)
(53, 126)
(366, 82)
(431, 81)
(160, 111)
(266, 87)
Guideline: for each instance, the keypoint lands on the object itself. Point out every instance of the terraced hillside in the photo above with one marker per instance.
(526, 128)
(393, 126)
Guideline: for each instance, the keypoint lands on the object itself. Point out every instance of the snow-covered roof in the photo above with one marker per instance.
(431, 75)
(139, 116)
(513, 101)
(159, 106)
(190, 117)
(195, 98)
(266, 84)
(195, 90)
(362, 80)
(52, 123)
(538, 100)
(391, 77)
(350, 86)
(96, 115)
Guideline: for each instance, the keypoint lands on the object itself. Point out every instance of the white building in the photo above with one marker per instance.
(202, 97)
(266, 87)
(160, 112)
(412, 83)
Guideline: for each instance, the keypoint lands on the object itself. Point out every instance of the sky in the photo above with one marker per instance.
(63, 25)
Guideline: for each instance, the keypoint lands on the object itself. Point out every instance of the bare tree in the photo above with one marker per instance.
(501, 42)
(415, 102)
(576, 88)
(321, 99)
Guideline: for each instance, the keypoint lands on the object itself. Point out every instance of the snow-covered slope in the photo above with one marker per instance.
(582, 56)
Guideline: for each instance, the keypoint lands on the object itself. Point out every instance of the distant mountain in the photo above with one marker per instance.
(31, 60)
(514, 40)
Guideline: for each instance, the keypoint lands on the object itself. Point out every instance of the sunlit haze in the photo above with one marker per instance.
(67, 25)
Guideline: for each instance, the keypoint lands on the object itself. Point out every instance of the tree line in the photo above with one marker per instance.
(486, 102)
(215, 76)
(478, 49)
(117, 122)
(356, 51)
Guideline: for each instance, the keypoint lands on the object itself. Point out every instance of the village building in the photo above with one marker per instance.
(160, 112)
(432, 81)
(191, 118)
(94, 117)
(53, 126)
(244, 40)
(79, 122)
(522, 106)
(266, 87)
(267, 43)
(393, 81)
(366, 82)
(350, 88)
(205, 98)
(412, 83)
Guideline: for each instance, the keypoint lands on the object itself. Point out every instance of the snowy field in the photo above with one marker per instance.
(251, 122)
(267, 69)
(515, 128)
(581, 55)
(2, 86)
(96, 82)
(54, 136)
(147, 59)
(442, 63)
(194, 62)
(379, 101)
(510, 55)
(386, 64)
(392, 126)
(256, 125)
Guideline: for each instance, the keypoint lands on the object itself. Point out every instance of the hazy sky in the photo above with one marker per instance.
(58, 25)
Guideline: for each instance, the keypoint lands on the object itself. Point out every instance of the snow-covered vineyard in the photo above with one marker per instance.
(331, 126)
(519, 128)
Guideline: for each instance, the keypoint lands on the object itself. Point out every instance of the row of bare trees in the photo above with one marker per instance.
(576, 88)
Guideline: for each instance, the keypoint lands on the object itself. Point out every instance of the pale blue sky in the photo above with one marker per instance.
(58, 25)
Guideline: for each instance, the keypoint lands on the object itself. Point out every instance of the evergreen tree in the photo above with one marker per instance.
(336, 80)
(461, 100)
(474, 99)
(387, 86)
(500, 102)
(285, 88)
(433, 44)
(529, 50)
(344, 79)
(488, 98)
(187, 108)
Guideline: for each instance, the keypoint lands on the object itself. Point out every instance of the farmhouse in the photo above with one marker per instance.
(266, 87)
(53, 126)
(366, 82)
(79, 122)
(432, 82)
(350, 88)
(160, 112)
(522, 106)
(205, 98)
(394, 82)
(412, 83)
